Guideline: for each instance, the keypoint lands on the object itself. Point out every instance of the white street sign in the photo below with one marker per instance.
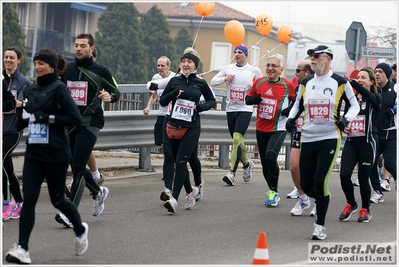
(378, 52)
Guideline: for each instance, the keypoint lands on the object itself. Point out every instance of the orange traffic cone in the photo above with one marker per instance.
(261, 255)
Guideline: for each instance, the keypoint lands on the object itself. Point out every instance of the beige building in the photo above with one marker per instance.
(59, 23)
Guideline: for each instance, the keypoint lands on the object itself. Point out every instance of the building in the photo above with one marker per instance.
(57, 24)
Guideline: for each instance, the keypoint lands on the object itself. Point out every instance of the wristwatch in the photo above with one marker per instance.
(51, 119)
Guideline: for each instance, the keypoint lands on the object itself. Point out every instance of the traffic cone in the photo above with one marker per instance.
(261, 255)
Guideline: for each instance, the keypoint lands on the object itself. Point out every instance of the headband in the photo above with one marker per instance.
(192, 57)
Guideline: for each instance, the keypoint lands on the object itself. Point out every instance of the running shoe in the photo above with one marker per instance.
(101, 180)
(229, 178)
(82, 241)
(18, 255)
(171, 205)
(62, 219)
(272, 198)
(356, 183)
(247, 175)
(348, 211)
(294, 193)
(8, 209)
(98, 206)
(190, 198)
(166, 194)
(313, 212)
(385, 185)
(200, 191)
(319, 232)
(300, 206)
(17, 210)
(364, 215)
(377, 198)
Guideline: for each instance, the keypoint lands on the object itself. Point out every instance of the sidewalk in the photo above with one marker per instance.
(124, 164)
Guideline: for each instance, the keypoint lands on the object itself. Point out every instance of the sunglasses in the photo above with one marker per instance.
(298, 70)
(316, 56)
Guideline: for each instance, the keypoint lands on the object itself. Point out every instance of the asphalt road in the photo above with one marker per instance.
(222, 228)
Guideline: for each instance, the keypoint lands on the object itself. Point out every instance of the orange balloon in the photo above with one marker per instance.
(284, 33)
(264, 24)
(234, 32)
(204, 8)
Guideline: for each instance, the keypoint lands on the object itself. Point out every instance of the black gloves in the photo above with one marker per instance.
(40, 116)
(253, 100)
(389, 112)
(290, 125)
(153, 86)
(21, 123)
(341, 123)
(286, 111)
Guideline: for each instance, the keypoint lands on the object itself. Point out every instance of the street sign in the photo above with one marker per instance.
(378, 52)
(356, 37)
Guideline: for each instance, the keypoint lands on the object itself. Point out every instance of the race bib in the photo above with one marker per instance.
(299, 123)
(319, 110)
(183, 110)
(78, 92)
(38, 133)
(237, 95)
(267, 108)
(357, 126)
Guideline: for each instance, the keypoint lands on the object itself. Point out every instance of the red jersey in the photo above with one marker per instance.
(275, 96)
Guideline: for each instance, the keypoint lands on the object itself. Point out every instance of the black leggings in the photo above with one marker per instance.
(364, 155)
(82, 140)
(386, 147)
(169, 163)
(34, 172)
(10, 179)
(182, 150)
(269, 145)
(316, 162)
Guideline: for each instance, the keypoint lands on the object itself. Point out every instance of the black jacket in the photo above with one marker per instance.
(92, 113)
(388, 101)
(17, 84)
(193, 87)
(52, 97)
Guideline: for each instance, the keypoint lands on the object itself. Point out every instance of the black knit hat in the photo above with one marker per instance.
(48, 56)
(386, 68)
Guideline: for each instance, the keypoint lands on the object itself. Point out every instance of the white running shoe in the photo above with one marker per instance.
(294, 193)
(200, 191)
(82, 242)
(171, 205)
(166, 194)
(300, 206)
(229, 178)
(62, 219)
(98, 206)
(247, 175)
(385, 185)
(313, 213)
(377, 198)
(190, 198)
(18, 255)
(319, 232)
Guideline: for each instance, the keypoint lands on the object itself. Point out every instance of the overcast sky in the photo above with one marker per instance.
(370, 13)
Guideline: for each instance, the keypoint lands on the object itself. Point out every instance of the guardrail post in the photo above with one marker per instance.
(145, 159)
(223, 157)
(287, 157)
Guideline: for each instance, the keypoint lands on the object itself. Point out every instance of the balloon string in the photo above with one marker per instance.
(252, 46)
(268, 53)
(197, 31)
(216, 68)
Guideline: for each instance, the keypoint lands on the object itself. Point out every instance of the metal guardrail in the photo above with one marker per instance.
(127, 127)
(132, 129)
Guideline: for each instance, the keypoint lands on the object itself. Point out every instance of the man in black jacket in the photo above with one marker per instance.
(386, 130)
(89, 84)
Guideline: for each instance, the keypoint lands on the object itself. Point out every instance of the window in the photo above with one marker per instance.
(254, 56)
(221, 55)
